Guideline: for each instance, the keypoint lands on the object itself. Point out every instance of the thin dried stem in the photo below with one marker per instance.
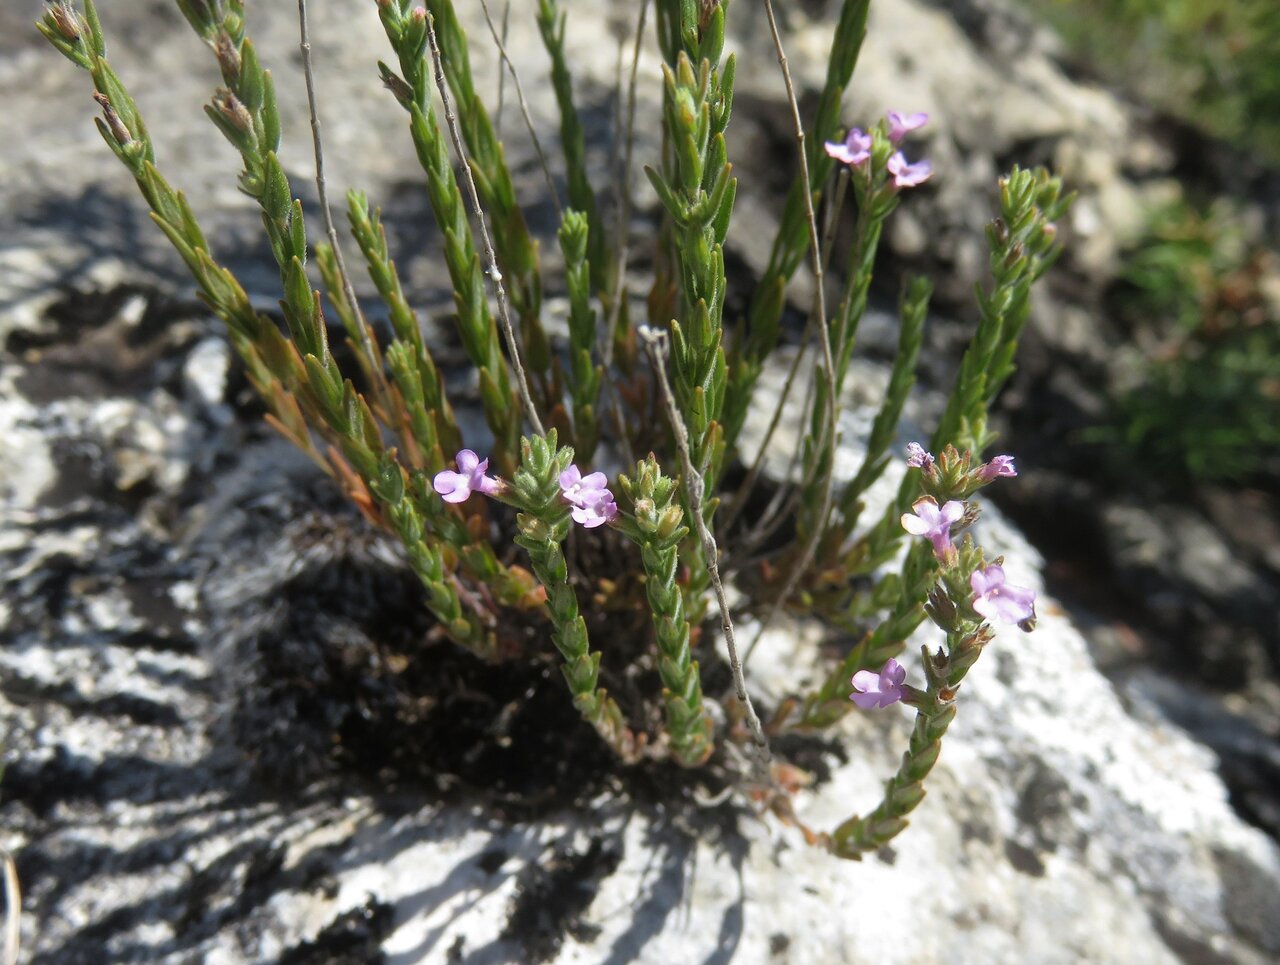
(782, 506)
(504, 310)
(655, 344)
(502, 74)
(369, 343)
(524, 106)
(623, 206)
(624, 195)
(753, 475)
(828, 363)
(12, 909)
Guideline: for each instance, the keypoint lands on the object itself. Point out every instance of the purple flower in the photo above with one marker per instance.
(872, 690)
(934, 523)
(591, 502)
(856, 149)
(908, 175)
(455, 487)
(997, 600)
(918, 457)
(902, 124)
(998, 466)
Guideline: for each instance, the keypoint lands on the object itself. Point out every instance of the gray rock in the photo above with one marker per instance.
(219, 745)
(1189, 579)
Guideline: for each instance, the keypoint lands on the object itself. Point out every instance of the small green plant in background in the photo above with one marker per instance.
(1215, 63)
(525, 546)
(1204, 400)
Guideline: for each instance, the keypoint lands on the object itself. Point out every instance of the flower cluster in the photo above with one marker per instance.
(997, 600)
(998, 466)
(934, 523)
(873, 690)
(918, 457)
(855, 151)
(992, 597)
(590, 501)
(858, 145)
(455, 487)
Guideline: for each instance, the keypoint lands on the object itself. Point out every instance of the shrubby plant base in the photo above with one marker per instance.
(496, 526)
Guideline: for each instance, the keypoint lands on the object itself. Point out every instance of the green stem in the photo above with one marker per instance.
(657, 527)
(544, 525)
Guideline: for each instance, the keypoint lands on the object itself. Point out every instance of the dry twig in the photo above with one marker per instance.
(369, 343)
(524, 105)
(655, 344)
(504, 309)
(828, 364)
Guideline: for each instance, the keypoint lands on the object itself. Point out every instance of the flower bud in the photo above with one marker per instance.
(644, 513)
(67, 20)
(232, 109)
(919, 458)
(708, 8)
(398, 87)
(119, 131)
(534, 528)
(941, 609)
(671, 521)
(1014, 256)
(228, 57)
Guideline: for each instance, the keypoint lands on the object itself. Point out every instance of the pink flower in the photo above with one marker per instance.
(455, 487)
(902, 124)
(997, 600)
(934, 524)
(591, 502)
(918, 457)
(998, 466)
(856, 149)
(872, 690)
(908, 175)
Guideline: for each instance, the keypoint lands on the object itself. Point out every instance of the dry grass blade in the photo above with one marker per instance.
(524, 105)
(504, 309)
(369, 344)
(824, 339)
(655, 344)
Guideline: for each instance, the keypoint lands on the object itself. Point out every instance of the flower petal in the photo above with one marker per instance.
(979, 582)
(866, 701)
(986, 608)
(570, 477)
(915, 525)
(867, 681)
(453, 487)
(1012, 610)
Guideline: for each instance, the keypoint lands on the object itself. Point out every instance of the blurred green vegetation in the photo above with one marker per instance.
(1215, 63)
(1205, 397)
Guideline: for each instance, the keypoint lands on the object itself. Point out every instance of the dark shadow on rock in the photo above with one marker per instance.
(671, 851)
(354, 937)
(734, 920)
(553, 893)
(97, 225)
